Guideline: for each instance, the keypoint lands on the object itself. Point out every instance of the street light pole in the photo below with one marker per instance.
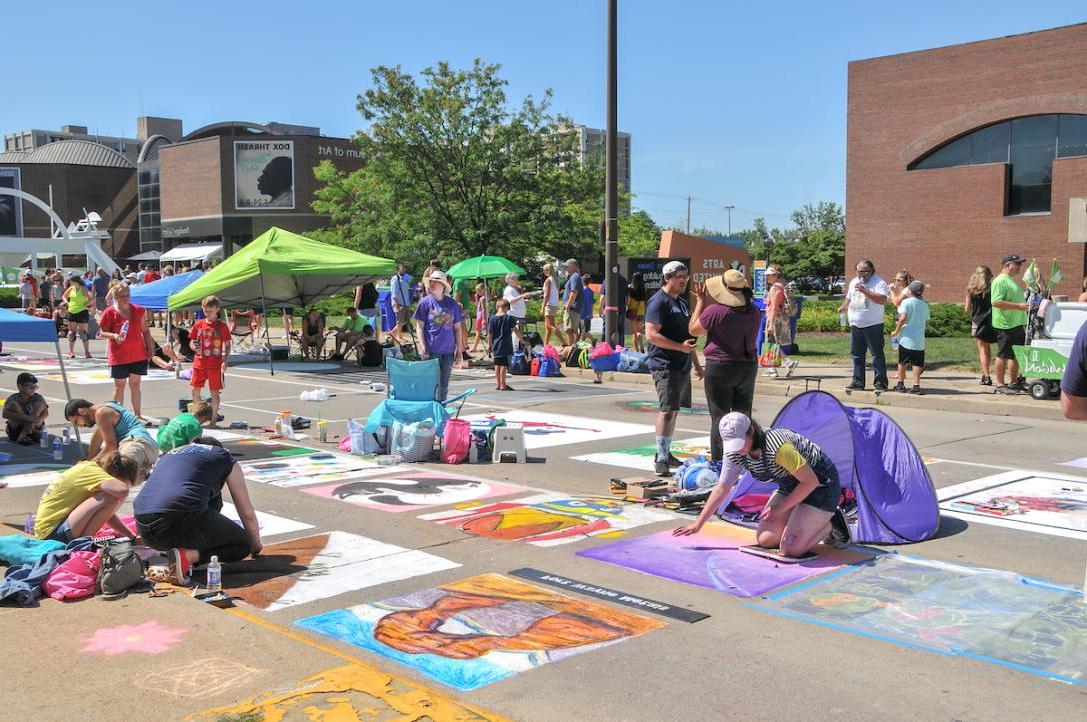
(611, 193)
(729, 209)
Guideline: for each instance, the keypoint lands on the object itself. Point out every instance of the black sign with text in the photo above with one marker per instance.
(611, 595)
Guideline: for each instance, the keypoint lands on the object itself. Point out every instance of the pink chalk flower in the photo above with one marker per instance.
(149, 637)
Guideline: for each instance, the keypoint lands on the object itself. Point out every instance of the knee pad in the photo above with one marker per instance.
(83, 335)
(71, 335)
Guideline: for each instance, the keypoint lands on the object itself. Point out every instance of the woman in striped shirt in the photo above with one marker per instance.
(803, 511)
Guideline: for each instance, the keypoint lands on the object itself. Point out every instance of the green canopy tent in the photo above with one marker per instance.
(485, 267)
(283, 269)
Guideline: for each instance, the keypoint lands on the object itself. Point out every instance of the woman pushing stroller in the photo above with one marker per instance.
(803, 511)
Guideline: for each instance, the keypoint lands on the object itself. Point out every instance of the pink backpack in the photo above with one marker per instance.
(455, 441)
(75, 578)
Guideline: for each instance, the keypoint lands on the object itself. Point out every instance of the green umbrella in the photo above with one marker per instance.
(485, 267)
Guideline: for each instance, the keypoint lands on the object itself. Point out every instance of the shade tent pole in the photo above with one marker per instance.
(67, 389)
(267, 335)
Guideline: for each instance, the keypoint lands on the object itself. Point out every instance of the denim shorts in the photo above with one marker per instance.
(826, 495)
(62, 533)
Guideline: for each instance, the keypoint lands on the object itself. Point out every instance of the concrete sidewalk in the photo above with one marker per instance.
(944, 390)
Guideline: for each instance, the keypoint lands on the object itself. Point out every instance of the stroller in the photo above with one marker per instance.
(412, 397)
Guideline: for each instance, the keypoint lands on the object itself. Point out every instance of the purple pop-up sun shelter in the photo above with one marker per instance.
(896, 501)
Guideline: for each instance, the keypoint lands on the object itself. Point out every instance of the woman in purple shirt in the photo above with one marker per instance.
(725, 314)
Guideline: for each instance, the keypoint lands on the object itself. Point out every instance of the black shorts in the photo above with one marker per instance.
(911, 357)
(1008, 337)
(123, 371)
(501, 360)
(673, 389)
(83, 316)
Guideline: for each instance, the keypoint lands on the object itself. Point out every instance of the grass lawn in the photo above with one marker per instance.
(956, 354)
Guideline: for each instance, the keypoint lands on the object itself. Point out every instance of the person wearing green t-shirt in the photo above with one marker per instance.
(351, 331)
(1010, 322)
(183, 428)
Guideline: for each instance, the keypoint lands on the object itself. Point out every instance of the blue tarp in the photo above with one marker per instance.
(16, 326)
(153, 295)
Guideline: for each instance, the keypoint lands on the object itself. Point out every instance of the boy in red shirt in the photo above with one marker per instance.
(210, 341)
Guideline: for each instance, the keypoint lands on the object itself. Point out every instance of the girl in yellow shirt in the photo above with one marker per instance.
(86, 497)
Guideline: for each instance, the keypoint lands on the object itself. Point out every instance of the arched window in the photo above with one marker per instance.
(1027, 144)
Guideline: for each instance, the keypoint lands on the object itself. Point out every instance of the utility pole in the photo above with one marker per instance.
(729, 209)
(688, 215)
(611, 194)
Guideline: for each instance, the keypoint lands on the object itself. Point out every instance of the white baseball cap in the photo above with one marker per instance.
(672, 267)
(733, 427)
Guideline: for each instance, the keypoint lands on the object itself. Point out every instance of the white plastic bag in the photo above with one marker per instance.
(315, 395)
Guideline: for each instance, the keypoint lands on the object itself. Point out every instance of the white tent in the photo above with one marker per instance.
(192, 252)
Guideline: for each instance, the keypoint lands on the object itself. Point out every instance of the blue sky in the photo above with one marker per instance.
(733, 103)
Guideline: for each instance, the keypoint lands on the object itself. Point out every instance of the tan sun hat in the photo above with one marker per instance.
(728, 288)
(439, 277)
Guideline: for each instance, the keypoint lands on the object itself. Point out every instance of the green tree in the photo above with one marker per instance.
(639, 235)
(815, 246)
(453, 171)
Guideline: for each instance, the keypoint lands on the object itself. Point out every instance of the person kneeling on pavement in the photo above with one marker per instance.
(803, 511)
(185, 428)
(115, 428)
(26, 411)
(85, 498)
(179, 510)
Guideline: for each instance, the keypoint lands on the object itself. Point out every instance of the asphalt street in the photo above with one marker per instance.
(739, 663)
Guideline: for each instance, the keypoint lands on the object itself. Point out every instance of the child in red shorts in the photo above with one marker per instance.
(210, 341)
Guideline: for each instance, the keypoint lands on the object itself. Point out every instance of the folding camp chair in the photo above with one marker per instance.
(413, 388)
(243, 330)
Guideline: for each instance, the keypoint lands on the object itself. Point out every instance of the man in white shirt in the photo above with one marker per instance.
(513, 293)
(864, 301)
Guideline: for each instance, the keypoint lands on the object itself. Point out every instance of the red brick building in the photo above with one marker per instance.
(960, 155)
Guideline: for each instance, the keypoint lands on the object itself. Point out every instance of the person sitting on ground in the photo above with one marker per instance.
(26, 411)
(60, 319)
(85, 498)
(183, 428)
(180, 338)
(913, 314)
(803, 510)
(165, 358)
(179, 510)
(500, 329)
(313, 334)
(210, 342)
(115, 429)
(370, 353)
(350, 332)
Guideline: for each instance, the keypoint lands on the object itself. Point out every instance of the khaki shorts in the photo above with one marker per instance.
(551, 312)
(571, 320)
(142, 450)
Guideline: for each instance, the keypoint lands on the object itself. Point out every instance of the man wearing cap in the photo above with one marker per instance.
(440, 333)
(1010, 322)
(803, 510)
(671, 351)
(864, 302)
(573, 296)
(26, 411)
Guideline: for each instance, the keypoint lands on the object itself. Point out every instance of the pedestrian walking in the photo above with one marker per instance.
(979, 307)
(670, 357)
(725, 313)
(913, 316)
(1010, 322)
(863, 304)
(780, 307)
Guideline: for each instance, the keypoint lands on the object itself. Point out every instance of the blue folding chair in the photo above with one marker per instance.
(413, 388)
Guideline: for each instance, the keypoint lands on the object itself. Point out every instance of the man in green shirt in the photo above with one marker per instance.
(350, 332)
(183, 428)
(1010, 322)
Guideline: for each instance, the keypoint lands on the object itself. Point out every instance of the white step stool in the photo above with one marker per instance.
(509, 439)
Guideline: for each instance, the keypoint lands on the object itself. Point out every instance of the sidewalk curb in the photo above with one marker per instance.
(973, 403)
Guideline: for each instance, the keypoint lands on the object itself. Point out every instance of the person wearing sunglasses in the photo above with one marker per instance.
(864, 304)
(26, 411)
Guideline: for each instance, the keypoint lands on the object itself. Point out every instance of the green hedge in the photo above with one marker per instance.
(948, 319)
(9, 298)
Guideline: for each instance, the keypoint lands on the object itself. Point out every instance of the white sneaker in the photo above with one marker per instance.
(790, 366)
(771, 373)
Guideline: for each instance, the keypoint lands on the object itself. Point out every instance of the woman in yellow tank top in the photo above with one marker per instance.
(78, 315)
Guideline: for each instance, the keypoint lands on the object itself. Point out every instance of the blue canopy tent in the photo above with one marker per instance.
(21, 327)
(153, 295)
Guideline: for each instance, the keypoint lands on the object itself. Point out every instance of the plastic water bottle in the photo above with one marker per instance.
(67, 436)
(843, 320)
(278, 426)
(215, 575)
(45, 440)
(28, 526)
(58, 449)
(894, 343)
(123, 333)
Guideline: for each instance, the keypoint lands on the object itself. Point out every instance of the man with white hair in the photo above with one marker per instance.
(573, 296)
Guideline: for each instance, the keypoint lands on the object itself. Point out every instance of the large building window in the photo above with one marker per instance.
(1028, 145)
